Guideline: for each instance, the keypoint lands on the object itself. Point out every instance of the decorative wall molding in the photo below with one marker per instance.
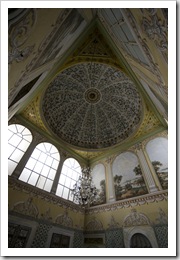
(150, 123)
(46, 215)
(64, 220)
(129, 203)
(162, 218)
(94, 225)
(41, 194)
(27, 208)
(113, 224)
(136, 219)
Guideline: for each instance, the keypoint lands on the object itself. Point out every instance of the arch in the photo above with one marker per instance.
(147, 231)
(93, 225)
(138, 240)
(40, 170)
(19, 139)
(157, 150)
(70, 173)
(135, 219)
(128, 177)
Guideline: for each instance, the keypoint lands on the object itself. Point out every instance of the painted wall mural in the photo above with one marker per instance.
(98, 177)
(128, 178)
(157, 150)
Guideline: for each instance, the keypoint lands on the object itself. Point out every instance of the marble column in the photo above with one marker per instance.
(110, 190)
(146, 170)
(153, 172)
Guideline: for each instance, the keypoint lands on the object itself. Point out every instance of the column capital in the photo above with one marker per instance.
(38, 138)
(109, 160)
(138, 146)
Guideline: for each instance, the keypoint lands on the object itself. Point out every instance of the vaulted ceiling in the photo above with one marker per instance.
(92, 80)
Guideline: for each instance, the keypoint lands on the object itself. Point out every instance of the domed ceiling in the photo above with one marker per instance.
(92, 105)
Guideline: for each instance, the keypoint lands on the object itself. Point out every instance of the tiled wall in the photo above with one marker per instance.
(161, 232)
(114, 238)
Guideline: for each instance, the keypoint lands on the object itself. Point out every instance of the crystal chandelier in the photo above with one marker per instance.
(84, 191)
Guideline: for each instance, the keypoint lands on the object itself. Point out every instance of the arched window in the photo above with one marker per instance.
(19, 138)
(41, 167)
(70, 173)
(157, 150)
(128, 177)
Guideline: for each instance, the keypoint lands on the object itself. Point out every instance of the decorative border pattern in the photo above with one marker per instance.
(48, 197)
(145, 199)
(142, 200)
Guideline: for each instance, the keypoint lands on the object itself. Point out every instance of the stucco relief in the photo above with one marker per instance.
(162, 217)
(46, 215)
(136, 219)
(137, 222)
(27, 208)
(18, 35)
(156, 30)
(94, 225)
(113, 223)
(64, 220)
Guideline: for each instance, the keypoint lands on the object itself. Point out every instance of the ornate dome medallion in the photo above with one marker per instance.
(92, 106)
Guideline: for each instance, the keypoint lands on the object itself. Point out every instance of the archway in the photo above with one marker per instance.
(139, 240)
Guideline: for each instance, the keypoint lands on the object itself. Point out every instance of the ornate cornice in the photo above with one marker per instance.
(41, 194)
(141, 200)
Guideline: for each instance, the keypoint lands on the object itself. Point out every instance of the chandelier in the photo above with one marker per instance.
(84, 191)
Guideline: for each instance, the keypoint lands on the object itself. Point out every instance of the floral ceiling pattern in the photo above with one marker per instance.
(92, 105)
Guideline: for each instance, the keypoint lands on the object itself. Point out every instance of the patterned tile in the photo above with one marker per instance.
(114, 238)
(162, 235)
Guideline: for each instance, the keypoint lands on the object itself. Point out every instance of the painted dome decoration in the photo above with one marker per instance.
(92, 106)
